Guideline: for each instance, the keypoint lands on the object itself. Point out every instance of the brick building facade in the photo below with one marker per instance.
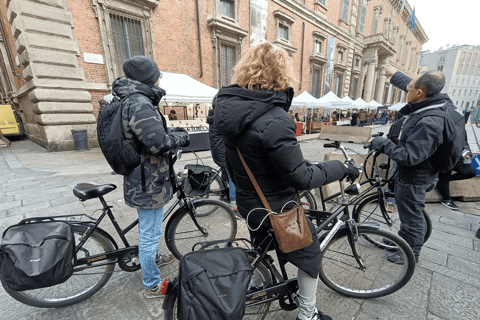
(59, 57)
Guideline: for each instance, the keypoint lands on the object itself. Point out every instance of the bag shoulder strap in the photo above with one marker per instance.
(254, 181)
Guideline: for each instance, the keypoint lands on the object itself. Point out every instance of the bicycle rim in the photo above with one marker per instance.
(308, 200)
(261, 278)
(370, 211)
(215, 217)
(340, 271)
(81, 285)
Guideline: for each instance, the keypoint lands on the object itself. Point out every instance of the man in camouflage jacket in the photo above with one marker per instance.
(146, 126)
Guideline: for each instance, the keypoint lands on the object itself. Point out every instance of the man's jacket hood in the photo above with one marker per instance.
(124, 86)
(238, 107)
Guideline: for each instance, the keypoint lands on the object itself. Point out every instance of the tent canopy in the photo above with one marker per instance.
(375, 104)
(397, 106)
(305, 99)
(360, 103)
(183, 88)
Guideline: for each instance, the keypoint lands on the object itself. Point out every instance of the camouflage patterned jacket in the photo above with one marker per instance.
(142, 121)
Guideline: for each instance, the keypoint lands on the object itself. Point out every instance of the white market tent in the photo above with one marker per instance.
(374, 104)
(183, 88)
(360, 103)
(305, 99)
(397, 106)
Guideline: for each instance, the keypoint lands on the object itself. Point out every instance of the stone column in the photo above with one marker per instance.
(370, 80)
(55, 98)
(402, 97)
(381, 80)
(389, 95)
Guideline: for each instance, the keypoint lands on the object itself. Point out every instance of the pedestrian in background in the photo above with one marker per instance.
(172, 115)
(362, 116)
(353, 122)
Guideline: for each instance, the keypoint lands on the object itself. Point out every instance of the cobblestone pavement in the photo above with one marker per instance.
(34, 182)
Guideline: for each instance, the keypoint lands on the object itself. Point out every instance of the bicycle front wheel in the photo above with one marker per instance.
(215, 217)
(341, 272)
(81, 285)
(370, 210)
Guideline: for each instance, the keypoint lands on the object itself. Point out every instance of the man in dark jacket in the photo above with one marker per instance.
(353, 122)
(144, 124)
(419, 138)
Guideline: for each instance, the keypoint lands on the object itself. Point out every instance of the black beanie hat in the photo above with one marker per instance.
(143, 69)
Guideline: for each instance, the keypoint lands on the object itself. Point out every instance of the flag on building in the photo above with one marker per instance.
(412, 20)
(401, 9)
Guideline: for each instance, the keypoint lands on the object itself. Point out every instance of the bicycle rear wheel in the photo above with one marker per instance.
(215, 217)
(340, 271)
(218, 189)
(308, 200)
(370, 210)
(81, 285)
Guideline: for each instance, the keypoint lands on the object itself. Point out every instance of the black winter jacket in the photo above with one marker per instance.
(216, 141)
(417, 142)
(258, 124)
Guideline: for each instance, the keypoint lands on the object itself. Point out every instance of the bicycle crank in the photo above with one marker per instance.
(288, 298)
(130, 261)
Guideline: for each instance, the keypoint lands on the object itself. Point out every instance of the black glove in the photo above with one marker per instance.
(170, 130)
(351, 171)
(377, 143)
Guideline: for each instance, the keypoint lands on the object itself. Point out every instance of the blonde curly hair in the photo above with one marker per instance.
(266, 67)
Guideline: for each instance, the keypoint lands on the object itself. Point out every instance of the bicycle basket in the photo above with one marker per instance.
(198, 182)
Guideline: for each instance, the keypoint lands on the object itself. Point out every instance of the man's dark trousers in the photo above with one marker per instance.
(410, 200)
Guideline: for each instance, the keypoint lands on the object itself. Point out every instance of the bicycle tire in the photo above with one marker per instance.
(79, 286)
(370, 210)
(218, 190)
(260, 272)
(308, 200)
(182, 234)
(340, 272)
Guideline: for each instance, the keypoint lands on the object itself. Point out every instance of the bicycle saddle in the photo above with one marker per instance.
(85, 191)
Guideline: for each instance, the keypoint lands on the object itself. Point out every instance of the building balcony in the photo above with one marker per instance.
(380, 42)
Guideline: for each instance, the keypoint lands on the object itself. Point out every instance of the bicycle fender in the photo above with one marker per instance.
(171, 294)
(103, 233)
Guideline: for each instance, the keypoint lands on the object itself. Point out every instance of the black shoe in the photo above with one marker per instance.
(317, 315)
(449, 204)
(397, 258)
(478, 233)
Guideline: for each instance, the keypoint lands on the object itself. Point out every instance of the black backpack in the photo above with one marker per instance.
(447, 154)
(37, 254)
(122, 155)
(213, 284)
(198, 182)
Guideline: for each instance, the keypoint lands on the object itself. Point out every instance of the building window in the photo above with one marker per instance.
(283, 32)
(338, 84)
(316, 83)
(125, 30)
(471, 92)
(463, 80)
(227, 62)
(468, 104)
(345, 9)
(442, 59)
(354, 88)
(127, 39)
(453, 92)
(440, 68)
(324, 2)
(460, 92)
(468, 81)
(284, 24)
(375, 25)
(318, 47)
(357, 62)
(465, 93)
(363, 15)
(340, 56)
(227, 8)
(461, 106)
(459, 69)
(456, 103)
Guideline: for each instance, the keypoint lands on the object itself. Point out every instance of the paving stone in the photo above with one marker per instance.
(455, 222)
(464, 266)
(476, 244)
(435, 256)
(474, 281)
(444, 246)
(34, 198)
(432, 317)
(363, 316)
(453, 299)
(29, 208)
(451, 238)
(4, 199)
(453, 230)
(63, 200)
(10, 204)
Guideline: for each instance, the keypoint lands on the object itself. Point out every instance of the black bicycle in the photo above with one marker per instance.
(351, 264)
(97, 252)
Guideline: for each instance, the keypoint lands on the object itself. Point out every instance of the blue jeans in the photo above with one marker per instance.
(149, 233)
(410, 200)
(384, 120)
(231, 187)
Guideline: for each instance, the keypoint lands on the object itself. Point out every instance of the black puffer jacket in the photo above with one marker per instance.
(258, 124)
(216, 141)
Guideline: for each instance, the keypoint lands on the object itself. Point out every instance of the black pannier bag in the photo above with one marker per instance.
(198, 182)
(37, 254)
(213, 284)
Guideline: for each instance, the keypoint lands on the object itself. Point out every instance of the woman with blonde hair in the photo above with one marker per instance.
(252, 115)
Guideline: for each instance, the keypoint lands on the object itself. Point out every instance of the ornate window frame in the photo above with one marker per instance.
(341, 48)
(344, 13)
(283, 19)
(377, 12)
(319, 37)
(362, 4)
(140, 10)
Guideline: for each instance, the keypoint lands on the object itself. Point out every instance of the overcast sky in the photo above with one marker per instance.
(448, 22)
